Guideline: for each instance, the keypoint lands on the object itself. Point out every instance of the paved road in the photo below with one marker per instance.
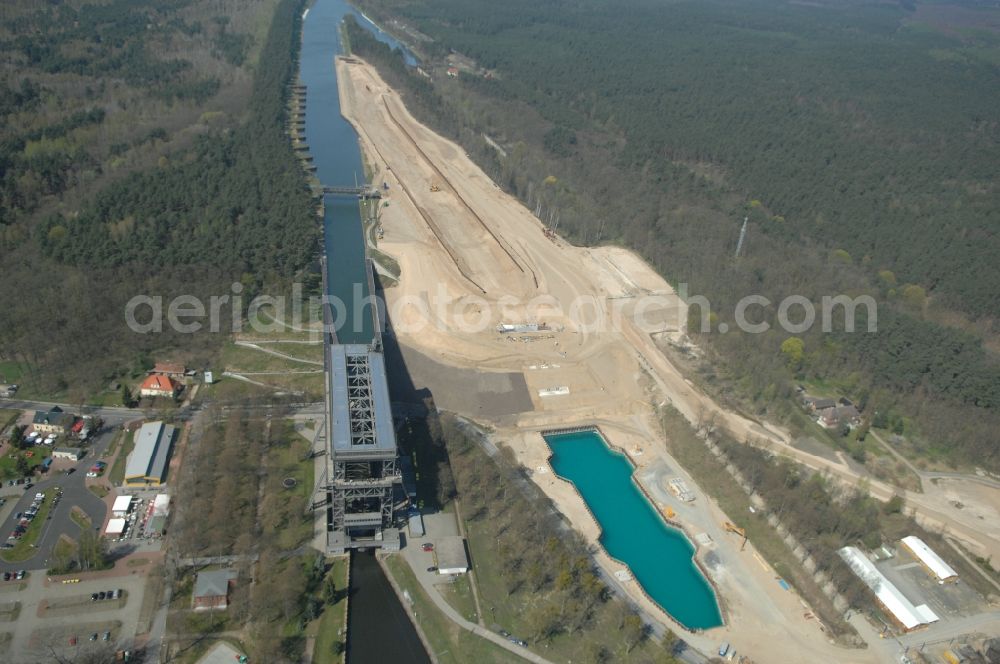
(110, 415)
(413, 556)
(75, 493)
(987, 623)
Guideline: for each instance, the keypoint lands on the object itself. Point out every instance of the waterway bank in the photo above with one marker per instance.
(378, 629)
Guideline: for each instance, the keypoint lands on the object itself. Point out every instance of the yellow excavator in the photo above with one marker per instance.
(733, 528)
(434, 187)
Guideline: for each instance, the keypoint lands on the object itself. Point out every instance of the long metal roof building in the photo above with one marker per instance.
(888, 595)
(147, 464)
(932, 561)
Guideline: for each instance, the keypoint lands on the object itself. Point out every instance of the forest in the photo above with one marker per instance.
(235, 504)
(143, 151)
(535, 572)
(858, 140)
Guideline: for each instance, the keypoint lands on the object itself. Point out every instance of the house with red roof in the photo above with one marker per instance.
(159, 386)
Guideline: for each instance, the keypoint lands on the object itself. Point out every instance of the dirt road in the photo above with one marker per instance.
(472, 257)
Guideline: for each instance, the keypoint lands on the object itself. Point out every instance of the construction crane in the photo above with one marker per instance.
(732, 528)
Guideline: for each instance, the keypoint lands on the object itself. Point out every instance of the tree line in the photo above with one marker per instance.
(545, 569)
(853, 179)
(229, 204)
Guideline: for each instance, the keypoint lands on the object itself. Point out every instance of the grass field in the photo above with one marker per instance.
(24, 549)
(290, 461)
(241, 359)
(113, 447)
(99, 490)
(80, 518)
(9, 611)
(227, 388)
(7, 417)
(328, 629)
(451, 643)
(34, 456)
(458, 593)
(117, 474)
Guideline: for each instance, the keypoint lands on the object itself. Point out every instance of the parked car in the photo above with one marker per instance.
(93, 597)
(72, 640)
(432, 569)
(107, 636)
(427, 547)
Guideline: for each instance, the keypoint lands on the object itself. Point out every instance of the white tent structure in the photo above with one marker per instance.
(888, 595)
(122, 506)
(932, 561)
(115, 527)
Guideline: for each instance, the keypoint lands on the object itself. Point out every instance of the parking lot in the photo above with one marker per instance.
(949, 600)
(65, 478)
(63, 617)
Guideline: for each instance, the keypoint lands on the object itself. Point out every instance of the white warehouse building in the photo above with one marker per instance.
(122, 506)
(888, 595)
(941, 570)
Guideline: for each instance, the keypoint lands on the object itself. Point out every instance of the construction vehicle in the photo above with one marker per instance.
(732, 528)
(668, 512)
(434, 187)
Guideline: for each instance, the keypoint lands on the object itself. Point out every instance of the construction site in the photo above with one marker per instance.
(554, 336)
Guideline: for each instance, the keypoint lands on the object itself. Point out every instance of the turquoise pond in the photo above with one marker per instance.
(660, 557)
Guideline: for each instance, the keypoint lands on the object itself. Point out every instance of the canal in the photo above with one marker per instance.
(379, 629)
(333, 145)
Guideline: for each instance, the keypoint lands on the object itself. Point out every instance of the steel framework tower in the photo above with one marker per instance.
(362, 467)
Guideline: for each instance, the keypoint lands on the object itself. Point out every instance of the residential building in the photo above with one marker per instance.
(169, 369)
(54, 420)
(157, 385)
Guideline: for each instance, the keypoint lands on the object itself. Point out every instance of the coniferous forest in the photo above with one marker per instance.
(860, 140)
(143, 151)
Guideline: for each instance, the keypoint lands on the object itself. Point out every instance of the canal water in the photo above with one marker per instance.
(333, 145)
(660, 557)
(378, 628)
